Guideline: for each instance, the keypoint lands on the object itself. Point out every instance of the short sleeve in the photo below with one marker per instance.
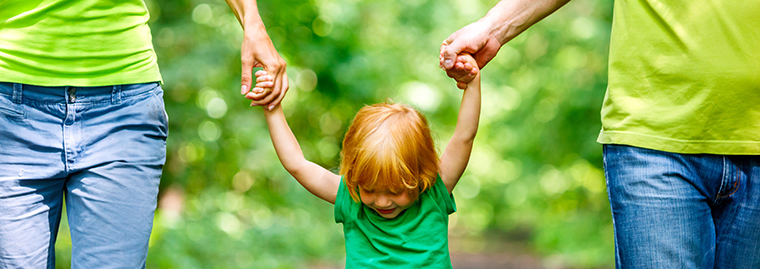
(443, 197)
(342, 203)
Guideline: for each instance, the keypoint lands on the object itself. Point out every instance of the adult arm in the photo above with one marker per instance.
(257, 50)
(483, 38)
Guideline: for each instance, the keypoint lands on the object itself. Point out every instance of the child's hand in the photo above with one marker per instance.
(264, 86)
(469, 67)
(465, 69)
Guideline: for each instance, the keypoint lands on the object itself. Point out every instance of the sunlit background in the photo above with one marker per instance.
(534, 191)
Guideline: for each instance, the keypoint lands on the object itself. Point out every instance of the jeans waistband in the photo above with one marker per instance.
(74, 94)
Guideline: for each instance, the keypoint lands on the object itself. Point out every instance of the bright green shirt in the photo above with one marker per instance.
(416, 238)
(684, 76)
(76, 43)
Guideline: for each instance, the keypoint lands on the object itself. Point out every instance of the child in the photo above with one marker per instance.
(393, 194)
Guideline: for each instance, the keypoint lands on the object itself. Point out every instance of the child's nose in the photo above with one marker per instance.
(383, 201)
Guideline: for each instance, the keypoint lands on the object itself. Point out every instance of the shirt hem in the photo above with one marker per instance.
(85, 82)
(721, 147)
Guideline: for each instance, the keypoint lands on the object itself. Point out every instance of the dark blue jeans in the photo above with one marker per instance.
(683, 210)
(103, 148)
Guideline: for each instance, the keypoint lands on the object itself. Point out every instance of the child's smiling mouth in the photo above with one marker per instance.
(385, 211)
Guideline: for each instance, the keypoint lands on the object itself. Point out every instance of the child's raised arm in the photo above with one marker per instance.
(316, 179)
(457, 153)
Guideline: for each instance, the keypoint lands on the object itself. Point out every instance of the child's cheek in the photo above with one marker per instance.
(366, 199)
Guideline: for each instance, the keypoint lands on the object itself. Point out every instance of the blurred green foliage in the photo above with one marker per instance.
(535, 174)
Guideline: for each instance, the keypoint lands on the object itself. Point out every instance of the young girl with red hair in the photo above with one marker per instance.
(393, 194)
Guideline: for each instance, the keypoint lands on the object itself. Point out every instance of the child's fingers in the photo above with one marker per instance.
(468, 67)
(265, 84)
(466, 58)
(472, 72)
(459, 66)
(264, 78)
(263, 92)
(260, 73)
(461, 85)
(440, 54)
(257, 94)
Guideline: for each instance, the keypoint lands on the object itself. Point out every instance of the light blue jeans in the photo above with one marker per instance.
(683, 210)
(103, 149)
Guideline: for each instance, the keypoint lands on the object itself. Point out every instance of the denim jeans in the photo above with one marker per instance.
(103, 149)
(683, 210)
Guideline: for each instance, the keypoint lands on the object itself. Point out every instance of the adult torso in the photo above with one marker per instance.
(76, 43)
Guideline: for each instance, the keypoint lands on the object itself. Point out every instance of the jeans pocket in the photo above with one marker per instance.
(11, 110)
(159, 107)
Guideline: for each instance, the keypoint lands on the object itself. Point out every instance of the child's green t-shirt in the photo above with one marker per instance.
(76, 43)
(416, 238)
(684, 76)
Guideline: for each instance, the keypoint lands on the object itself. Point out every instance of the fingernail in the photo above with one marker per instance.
(244, 89)
(447, 64)
(271, 107)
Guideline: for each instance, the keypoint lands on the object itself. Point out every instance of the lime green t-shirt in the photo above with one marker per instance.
(76, 43)
(416, 238)
(684, 76)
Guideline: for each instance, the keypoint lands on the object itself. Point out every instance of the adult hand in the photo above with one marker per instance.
(258, 51)
(484, 38)
(475, 39)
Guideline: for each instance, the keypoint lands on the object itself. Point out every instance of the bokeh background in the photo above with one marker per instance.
(533, 195)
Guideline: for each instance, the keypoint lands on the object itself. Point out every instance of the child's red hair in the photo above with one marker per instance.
(389, 147)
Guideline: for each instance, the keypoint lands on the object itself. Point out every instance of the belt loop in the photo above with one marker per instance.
(116, 94)
(17, 93)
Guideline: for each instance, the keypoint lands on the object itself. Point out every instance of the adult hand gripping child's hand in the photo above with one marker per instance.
(263, 88)
(474, 40)
(467, 68)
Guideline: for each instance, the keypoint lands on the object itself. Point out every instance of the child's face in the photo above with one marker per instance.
(385, 203)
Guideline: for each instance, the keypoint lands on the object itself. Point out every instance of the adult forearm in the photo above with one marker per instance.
(247, 12)
(509, 18)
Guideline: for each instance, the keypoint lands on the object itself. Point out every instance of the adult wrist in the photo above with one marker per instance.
(503, 29)
(253, 21)
(507, 19)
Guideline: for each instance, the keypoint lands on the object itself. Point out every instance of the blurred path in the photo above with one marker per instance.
(491, 252)
(480, 261)
(480, 254)
(494, 260)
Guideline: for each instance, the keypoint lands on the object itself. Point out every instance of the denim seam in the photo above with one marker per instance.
(123, 95)
(116, 95)
(733, 189)
(139, 96)
(722, 180)
(32, 102)
(12, 113)
(17, 93)
(159, 99)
